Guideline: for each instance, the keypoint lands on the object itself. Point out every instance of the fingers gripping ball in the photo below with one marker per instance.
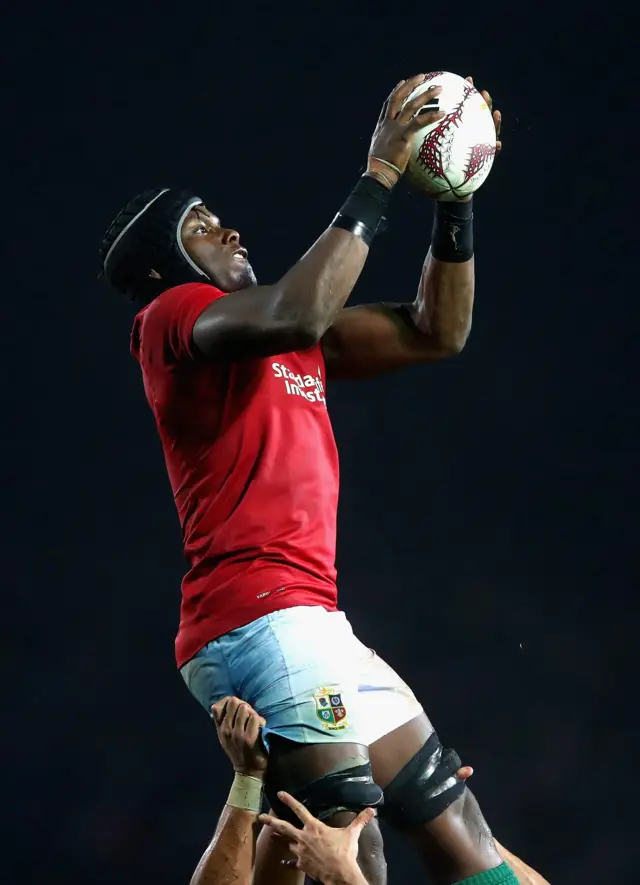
(452, 157)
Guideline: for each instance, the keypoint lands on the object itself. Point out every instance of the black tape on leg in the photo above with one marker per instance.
(351, 789)
(425, 787)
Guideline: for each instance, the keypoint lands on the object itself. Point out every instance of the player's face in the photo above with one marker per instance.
(216, 250)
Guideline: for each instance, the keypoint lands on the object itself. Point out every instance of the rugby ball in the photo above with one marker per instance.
(453, 157)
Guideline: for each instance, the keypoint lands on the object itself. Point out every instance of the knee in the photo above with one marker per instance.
(426, 787)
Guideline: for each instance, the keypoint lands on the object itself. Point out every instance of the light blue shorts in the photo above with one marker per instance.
(303, 669)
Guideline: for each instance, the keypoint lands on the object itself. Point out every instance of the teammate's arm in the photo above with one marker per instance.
(228, 859)
(296, 312)
(230, 855)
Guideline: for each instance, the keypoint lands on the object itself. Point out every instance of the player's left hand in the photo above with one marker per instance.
(497, 116)
(238, 726)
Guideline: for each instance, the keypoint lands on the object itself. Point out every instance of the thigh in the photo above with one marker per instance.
(391, 752)
(299, 669)
(207, 676)
(385, 701)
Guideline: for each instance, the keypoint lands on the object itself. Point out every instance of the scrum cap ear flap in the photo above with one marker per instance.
(145, 235)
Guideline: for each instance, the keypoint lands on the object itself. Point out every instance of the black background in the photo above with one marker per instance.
(489, 504)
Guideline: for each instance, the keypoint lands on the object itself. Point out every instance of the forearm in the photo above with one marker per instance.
(320, 283)
(444, 303)
(316, 288)
(523, 872)
(443, 307)
(229, 857)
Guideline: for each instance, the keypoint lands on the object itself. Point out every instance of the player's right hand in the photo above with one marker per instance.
(397, 125)
(238, 726)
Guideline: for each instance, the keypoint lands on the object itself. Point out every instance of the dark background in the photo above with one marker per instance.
(489, 505)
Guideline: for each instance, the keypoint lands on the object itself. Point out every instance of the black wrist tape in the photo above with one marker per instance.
(363, 211)
(452, 236)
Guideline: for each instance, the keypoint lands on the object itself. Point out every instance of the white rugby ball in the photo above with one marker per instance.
(453, 157)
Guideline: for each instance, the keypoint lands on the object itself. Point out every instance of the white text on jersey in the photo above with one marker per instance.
(306, 386)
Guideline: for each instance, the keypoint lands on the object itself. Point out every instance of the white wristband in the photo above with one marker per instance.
(246, 793)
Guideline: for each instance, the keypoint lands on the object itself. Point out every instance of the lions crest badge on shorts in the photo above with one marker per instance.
(330, 709)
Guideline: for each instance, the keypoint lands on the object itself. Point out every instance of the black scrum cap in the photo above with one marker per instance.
(145, 235)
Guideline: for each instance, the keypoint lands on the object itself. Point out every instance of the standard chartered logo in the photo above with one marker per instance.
(307, 386)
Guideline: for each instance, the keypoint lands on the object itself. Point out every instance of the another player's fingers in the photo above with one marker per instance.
(464, 773)
(400, 94)
(363, 818)
(227, 726)
(252, 727)
(243, 713)
(281, 827)
(304, 815)
(218, 710)
(230, 711)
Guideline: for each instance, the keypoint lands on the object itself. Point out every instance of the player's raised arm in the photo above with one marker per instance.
(230, 855)
(370, 339)
(295, 312)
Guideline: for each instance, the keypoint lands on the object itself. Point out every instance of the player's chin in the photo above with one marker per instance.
(241, 277)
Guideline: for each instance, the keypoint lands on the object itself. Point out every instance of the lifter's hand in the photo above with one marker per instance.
(238, 726)
(327, 854)
(396, 128)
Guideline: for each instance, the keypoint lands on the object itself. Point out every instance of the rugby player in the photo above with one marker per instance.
(235, 374)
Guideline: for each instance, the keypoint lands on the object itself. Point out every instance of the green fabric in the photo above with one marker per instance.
(502, 875)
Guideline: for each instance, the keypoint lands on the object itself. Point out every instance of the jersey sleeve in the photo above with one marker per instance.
(173, 315)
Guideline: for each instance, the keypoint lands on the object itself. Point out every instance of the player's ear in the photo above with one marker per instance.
(154, 274)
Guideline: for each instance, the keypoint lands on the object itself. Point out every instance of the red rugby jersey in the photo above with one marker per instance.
(253, 465)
